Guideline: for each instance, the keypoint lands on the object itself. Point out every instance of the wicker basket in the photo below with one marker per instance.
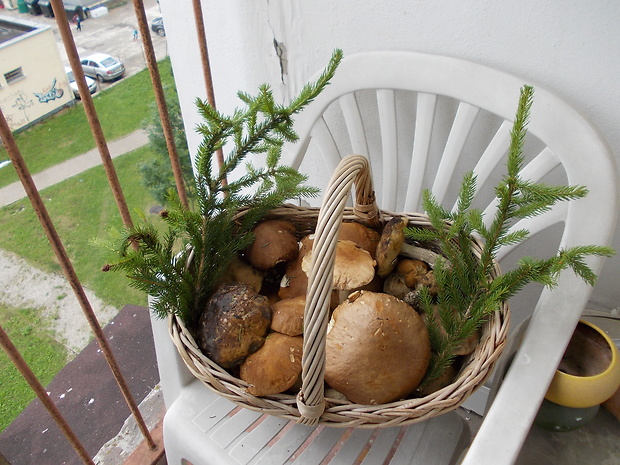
(310, 406)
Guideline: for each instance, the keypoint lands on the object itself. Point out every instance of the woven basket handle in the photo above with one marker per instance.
(353, 169)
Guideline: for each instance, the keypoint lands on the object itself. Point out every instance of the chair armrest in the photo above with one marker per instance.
(511, 414)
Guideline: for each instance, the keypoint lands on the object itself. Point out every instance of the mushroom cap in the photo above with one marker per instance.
(288, 316)
(411, 270)
(239, 271)
(392, 239)
(366, 238)
(274, 242)
(234, 324)
(353, 267)
(467, 346)
(377, 348)
(275, 367)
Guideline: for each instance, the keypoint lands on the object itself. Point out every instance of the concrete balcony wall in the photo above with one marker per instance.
(569, 47)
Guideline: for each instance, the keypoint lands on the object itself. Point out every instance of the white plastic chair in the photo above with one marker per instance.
(423, 121)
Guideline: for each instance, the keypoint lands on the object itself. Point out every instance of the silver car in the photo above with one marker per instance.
(103, 67)
(91, 83)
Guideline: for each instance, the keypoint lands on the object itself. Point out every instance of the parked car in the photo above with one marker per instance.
(102, 67)
(91, 83)
(157, 25)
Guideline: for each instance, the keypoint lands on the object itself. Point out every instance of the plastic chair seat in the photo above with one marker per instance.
(201, 420)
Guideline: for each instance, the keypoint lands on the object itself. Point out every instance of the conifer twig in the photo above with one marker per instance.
(467, 295)
(180, 268)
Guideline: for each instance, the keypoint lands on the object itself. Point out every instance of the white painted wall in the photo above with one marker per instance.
(570, 47)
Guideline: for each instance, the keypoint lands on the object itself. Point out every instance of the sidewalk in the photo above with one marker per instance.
(14, 192)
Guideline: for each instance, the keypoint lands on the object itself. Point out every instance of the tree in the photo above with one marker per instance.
(157, 174)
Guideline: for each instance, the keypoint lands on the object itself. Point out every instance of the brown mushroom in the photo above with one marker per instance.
(239, 271)
(468, 345)
(295, 281)
(411, 270)
(234, 324)
(353, 267)
(364, 237)
(288, 316)
(275, 367)
(392, 239)
(377, 348)
(274, 243)
(443, 380)
(403, 280)
(395, 285)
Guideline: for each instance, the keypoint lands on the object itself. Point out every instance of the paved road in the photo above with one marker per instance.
(111, 34)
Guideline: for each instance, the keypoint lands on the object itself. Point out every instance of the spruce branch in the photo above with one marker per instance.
(467, 294)
(180, 268)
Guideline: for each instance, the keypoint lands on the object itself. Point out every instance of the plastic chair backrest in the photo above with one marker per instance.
(425, 120)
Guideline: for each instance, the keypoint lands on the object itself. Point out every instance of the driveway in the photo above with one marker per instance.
(111, 34)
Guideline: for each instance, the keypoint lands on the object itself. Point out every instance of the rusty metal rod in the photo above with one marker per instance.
(68, 270)
(89, 109)
(206, 68)
(45, 399)
(151, 62)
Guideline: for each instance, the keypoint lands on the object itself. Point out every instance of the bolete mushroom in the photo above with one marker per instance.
(411, 270)
(234, 324)
(405, 277)
(239, 271)
(364, 237)
(275, 367)
(295, 281)
(274, 242)
(377, 348)
(288, 315)
(467, 346)
(392, 240)
(353, 266)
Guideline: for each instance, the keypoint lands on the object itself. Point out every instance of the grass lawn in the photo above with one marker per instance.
(121, 109)
(82, 208)
(44, 355)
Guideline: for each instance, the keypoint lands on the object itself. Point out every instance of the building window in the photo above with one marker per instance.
(13, 76)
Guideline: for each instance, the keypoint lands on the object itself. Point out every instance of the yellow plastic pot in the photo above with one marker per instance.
(589, 373)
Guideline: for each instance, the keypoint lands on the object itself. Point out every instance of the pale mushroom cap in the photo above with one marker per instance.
(275, 367)
(353, 267)
(377, 349)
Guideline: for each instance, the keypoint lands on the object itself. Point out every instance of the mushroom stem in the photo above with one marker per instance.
(420, 253)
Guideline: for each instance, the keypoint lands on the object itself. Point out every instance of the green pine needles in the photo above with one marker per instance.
(467, 296)
(180, 268)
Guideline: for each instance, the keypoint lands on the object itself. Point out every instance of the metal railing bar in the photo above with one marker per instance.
(151, 62)
(68, 270)
(45, 399)
(206, 68)
(89, 109)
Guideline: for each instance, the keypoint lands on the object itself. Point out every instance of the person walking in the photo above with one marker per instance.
(135, 34)
(78, 22)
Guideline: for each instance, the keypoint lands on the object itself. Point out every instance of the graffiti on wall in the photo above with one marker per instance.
(52, 94)
(22, 103)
